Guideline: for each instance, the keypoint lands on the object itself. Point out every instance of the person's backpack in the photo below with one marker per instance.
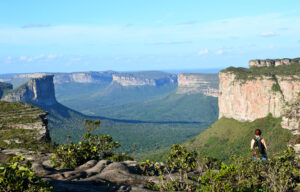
(259, 145)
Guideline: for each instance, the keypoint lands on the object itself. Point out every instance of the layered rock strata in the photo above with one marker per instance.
(272, 62)
(37, 91)
(253, 99)
(19, 116)
(128, 79)
(198, 83)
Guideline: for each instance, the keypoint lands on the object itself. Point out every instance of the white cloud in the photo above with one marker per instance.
(38, 57)
(220, 52)
(267, 34)
(23, 58)
(203, 52)
(52, 56)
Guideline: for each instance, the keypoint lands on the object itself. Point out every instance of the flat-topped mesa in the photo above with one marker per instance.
(207, 84)
(76, 77)
(151, 78)
(38, 91)
(31, 75)
(269, 62)
(83, 77)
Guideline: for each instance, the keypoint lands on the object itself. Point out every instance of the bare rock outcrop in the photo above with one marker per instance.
(37, 91)
(253, 99)
(102, 175)
(198, 83)
(272, 62)
(20, 116)
(144, 79)
(94, 175)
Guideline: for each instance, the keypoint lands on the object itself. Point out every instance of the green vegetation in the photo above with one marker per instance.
(171, 107)
(120, 102)
(22, 138)
(162, 104)
(16, 175)
(91, 147)
(252, 73)
(279, 173)
(13, 114)
(7, 91)
(229, 136)
(4, 86)
(149, 138)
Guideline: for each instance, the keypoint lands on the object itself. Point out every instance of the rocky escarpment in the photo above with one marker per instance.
(144, 78)
(253, 99)
(4, 86)
(249, 94)
(22, 124)
(272, 62)
(77, 77)
(37, 91)
(206, 84)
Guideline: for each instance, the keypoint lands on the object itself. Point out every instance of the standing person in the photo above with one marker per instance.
(258, 144)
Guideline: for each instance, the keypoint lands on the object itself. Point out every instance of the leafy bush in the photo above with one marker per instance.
(181, 160)
(16, 176)
(90, 147)
(150, 168)
(239, 174)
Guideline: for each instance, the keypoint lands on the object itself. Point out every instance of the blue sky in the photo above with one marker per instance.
(66, 36)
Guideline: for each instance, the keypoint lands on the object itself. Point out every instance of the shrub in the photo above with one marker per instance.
(90, 147)
(181, 160)
(16, 176)
(280, 173)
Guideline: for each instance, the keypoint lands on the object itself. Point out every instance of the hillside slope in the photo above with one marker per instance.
(229, 136)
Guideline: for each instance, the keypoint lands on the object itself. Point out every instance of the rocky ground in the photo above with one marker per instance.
(102, 175)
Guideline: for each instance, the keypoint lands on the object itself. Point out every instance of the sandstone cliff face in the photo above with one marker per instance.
(247, 101)
(198, 83)
(272, 62)
(37, 91)
(132, 81)
(84, 77)
(127, 79)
